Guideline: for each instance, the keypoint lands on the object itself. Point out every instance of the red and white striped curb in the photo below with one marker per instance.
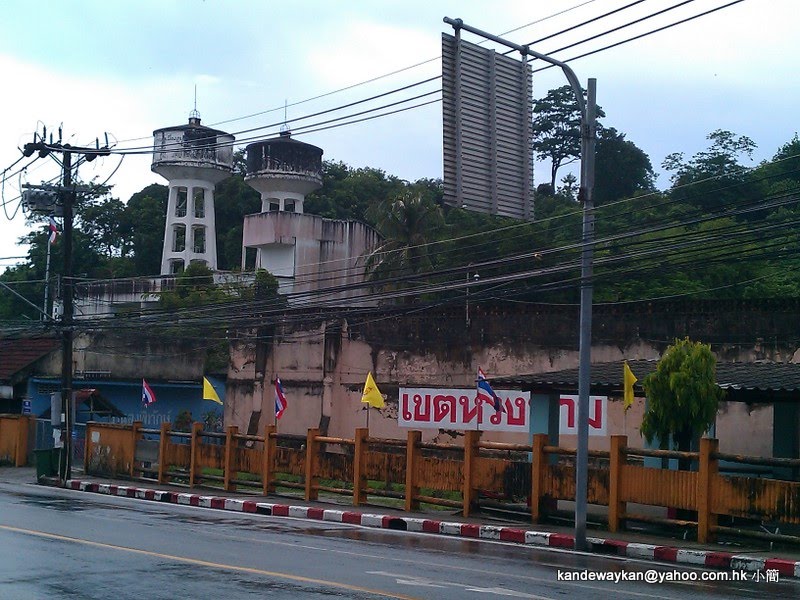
(670, 554)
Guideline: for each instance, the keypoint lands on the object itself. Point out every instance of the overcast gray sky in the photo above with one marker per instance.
(127, 68)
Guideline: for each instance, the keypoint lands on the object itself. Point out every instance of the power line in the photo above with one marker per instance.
(643, 35)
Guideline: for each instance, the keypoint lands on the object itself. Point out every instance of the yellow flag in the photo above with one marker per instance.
(372, 395)
(628, 379)
(209, 393)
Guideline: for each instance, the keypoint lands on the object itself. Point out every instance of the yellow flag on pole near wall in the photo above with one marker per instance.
(209, 393)
(628, 379)
(372, 394)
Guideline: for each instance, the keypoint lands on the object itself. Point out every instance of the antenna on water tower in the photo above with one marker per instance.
(285, 129)
(194, 115)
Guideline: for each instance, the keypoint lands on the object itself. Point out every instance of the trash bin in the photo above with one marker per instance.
(47, 460)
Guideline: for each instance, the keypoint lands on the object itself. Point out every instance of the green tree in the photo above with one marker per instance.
(622, 170)
(233, 199)
(682, 395)
(106, 226)
(194, 286)
(557, 129)
(714, 178)
(348, 193)
(408, 224)
(146, 212)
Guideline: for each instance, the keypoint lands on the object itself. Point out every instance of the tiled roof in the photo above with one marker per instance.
(746, 381)
(16, 354)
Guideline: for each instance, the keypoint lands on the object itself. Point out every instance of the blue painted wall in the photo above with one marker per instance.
(171, 399)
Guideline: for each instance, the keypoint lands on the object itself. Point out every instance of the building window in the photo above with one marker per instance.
(288, 205)
(199, 203)
(179, 238)
(199, 240)
(180, 202)
(176, 266)
(274, 206)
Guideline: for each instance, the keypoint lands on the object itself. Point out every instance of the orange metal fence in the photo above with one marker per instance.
(14, 430)
(416, 472)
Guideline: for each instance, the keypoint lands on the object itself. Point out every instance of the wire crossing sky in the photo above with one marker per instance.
(129, 68)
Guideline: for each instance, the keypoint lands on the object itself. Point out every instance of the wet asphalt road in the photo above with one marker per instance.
(63, 544)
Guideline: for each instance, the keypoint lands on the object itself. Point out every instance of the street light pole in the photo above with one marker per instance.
(587, 109)
(586, 196)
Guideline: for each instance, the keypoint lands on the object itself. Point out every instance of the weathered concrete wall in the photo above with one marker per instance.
(122, 356)
(323, 364)
(316, 252)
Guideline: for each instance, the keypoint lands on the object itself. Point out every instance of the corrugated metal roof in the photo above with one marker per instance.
(16, 354)
(770, 378)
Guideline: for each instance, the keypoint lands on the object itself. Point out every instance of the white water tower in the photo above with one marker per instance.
(193, 158)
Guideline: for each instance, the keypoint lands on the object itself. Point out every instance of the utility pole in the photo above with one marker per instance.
(67, 194)
(68, 199)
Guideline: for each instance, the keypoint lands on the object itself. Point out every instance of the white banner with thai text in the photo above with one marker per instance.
(439, 408)
(568, 415)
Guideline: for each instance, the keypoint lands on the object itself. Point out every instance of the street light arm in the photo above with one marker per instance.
(526, 51)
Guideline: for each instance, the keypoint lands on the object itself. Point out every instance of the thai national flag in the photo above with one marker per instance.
(53, 230)
(148, 396)
(486, 393)
(280, 399)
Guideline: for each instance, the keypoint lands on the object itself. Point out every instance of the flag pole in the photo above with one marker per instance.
(624, 420)
(274, 401)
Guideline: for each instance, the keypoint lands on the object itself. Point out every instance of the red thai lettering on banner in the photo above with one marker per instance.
(570, 404)
(497, 415)
(470, 414)
(419, 415)
(520, 404)
(407, 416)
(444, 406)
(461, 409)
(597, 421)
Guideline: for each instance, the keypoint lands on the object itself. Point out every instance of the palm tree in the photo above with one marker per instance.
(408, 224)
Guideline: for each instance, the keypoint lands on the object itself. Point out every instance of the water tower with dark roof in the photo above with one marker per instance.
(304, 252)
(193, 158)
(283, 171)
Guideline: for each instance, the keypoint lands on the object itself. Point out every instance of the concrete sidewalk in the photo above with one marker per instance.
(627, 544)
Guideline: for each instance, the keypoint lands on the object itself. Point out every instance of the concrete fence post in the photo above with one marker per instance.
(616, 507)
(268, 460)
(412, 455)
(471, 440)
(360, 466)
(136, 435)
(163, 442)
(538, 466)
(230, 457)
(312, 488)
(194, 460)
(706, 477)
(87, 448)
